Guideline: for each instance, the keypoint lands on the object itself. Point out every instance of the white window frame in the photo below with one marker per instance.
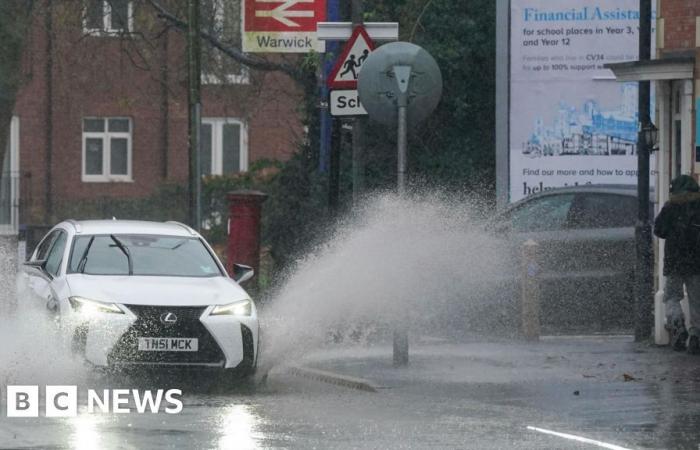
(13, 227)
(217, 140)
(107, 29)
(106, 135)
(210, 78)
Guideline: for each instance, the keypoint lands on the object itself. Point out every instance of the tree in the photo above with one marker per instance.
(455, 147)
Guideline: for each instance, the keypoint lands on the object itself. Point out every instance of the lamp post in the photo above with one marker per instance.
(650, 136)
(643, 279)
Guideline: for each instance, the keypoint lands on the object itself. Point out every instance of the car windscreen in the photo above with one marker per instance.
(121, 254)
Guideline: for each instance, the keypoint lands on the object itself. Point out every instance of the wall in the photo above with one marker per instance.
(141, 76)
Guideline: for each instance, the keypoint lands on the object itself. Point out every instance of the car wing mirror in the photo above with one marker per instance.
(37, 264)
(242, 273)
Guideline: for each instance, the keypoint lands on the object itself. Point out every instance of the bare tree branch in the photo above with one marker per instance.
(247, 60)
(417, 22)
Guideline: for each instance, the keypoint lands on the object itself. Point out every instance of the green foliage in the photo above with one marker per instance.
(215, 188)
(455, 147)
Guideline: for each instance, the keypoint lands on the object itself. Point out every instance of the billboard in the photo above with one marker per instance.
(570, 122)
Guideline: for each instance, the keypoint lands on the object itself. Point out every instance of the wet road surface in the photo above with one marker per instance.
(473, 402)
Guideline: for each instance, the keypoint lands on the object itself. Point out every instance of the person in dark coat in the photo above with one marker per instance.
(675, 223)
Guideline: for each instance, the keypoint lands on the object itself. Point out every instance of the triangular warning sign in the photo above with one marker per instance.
(347, 67)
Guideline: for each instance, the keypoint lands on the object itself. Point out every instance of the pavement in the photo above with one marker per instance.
(592, 391)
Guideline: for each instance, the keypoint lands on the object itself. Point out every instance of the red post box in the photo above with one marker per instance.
(244, 229)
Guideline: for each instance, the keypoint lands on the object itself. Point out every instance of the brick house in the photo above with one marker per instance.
(102, 111)
(675, 74)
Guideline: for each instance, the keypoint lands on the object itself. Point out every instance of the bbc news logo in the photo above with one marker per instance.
(62, 401)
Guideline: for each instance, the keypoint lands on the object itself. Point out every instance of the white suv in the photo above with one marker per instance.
(144, 293)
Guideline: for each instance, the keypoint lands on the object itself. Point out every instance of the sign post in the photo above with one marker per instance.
(400, 84)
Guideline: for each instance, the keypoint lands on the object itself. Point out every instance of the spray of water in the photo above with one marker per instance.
(423, 260)
(34, 351)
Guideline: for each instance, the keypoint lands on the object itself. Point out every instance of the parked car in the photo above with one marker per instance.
(132, 293)
(586, 237)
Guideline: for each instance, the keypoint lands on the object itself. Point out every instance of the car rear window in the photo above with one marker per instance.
(605, 211)
(149, 255)
(542, 214)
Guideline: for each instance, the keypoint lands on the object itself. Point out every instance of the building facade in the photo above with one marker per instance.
(675, 74)
(102, 110)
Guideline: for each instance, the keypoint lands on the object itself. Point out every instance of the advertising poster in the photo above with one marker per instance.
(570, 121)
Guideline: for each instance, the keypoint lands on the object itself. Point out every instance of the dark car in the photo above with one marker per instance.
(586, 253)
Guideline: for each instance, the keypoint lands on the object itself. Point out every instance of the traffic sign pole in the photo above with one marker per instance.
(358, 128)
(400, 344)
(402, 150)
(401, 332)
(326, 121)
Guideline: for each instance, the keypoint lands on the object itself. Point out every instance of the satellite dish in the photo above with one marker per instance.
(396, 72)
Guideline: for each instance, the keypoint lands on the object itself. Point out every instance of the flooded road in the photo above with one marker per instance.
(458, 395)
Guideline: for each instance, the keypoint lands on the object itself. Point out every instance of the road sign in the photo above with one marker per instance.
(400, 75)
(282, 26)
(346, 102)
(348, 66)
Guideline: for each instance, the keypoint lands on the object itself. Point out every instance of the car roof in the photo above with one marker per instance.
(129, 227)
(618, 189)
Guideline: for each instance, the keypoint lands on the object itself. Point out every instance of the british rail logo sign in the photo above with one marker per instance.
(282, 26)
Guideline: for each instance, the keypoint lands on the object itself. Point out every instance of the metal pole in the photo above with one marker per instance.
(502, 103)
(401, 144)
(644, 280)
(334, 172)
(198, 165)
(194, 112)
(400, 346)
(326, 121)
(358, 126)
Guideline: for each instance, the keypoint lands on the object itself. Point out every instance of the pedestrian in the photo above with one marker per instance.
(678, 223)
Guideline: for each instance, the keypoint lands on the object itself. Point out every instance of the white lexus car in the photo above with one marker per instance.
(144, 293)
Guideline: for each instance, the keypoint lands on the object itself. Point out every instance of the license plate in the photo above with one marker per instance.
(166, 344)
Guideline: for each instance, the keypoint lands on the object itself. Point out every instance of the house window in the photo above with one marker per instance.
(222, 19)
(224, 144)
(106, 149)
(108, 16)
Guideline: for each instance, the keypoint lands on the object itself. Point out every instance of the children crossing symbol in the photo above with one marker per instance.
(347, 67)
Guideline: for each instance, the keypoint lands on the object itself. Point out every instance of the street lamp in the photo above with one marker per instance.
(650, 136)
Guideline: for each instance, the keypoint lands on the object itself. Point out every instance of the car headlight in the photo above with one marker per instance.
(90, 307)
(239, 308)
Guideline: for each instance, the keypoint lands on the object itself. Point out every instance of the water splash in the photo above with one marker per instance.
(422, 259)
(34, 349)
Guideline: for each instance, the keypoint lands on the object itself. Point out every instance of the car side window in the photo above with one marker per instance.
(42, 250)
(594, 210)
(53, 260)
(543, 214)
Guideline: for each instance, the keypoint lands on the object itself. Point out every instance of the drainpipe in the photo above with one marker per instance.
(48, 198)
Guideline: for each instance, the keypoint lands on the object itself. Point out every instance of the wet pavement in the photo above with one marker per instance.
(452, 395)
